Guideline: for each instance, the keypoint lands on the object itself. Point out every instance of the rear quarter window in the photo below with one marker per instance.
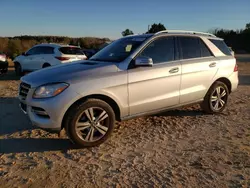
(71, 51)
(222, 46)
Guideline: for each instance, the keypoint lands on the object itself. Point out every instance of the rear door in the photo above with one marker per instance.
(156, 87)
(199, 66)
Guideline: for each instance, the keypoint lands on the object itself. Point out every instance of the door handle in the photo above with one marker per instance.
(174, 70)
(212, 64)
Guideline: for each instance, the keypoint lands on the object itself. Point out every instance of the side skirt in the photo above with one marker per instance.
(153, 112)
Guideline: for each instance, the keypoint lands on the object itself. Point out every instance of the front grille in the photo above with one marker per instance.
(24, 90)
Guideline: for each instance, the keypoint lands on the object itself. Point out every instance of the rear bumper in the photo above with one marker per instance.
(234, 79)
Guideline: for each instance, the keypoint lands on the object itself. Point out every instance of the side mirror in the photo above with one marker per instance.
(143, 61)
(24, 54)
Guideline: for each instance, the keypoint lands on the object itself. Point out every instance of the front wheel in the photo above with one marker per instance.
(90, 123)
(216, 98)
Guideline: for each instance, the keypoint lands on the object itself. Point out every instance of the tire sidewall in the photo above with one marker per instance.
(73, 117)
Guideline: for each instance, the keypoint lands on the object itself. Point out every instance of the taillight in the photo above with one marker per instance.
(62, 58)
(235, 68)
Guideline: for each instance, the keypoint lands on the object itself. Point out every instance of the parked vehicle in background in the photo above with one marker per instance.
(133, 76)
(45, 55)
(3, 63)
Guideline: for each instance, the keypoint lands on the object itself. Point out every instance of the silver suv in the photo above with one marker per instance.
(134, 76)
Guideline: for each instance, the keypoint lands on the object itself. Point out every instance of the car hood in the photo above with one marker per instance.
(69, 73)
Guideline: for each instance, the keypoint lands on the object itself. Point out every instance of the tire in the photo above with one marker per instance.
(80, 133)
(46, 65)
(18, 69)
(215, 103)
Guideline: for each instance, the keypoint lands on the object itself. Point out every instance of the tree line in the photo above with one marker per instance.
(14, 46)
(239, 40)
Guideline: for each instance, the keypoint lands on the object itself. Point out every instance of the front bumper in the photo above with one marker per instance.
(53, 109)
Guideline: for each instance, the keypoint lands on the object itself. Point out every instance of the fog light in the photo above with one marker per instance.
(40, 112)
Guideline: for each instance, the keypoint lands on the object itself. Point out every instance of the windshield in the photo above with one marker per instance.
(118, 50)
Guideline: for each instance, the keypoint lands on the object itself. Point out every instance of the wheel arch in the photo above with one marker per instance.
(103, 97)
(46, 64)
(225, 81)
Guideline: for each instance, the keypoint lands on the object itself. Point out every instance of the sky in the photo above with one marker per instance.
(108, 18)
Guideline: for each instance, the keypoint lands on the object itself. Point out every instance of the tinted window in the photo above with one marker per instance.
(190, 47)
(71, 51)
(46, 50)
(221, 45)
(43, 50)
(205, 52)
(32, 51)
(161, 50)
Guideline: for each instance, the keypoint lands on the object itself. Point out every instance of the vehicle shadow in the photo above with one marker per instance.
(12, 118)
(10, 75)
(183, 112)
(20, 145)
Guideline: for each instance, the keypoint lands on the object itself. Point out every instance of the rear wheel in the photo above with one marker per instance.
(90, 123)
(18, 69)
(216, 98)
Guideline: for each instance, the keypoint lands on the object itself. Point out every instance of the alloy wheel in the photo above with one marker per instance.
(218, 98)
(92, 124)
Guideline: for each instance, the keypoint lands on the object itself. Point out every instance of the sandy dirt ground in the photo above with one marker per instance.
(180, 148)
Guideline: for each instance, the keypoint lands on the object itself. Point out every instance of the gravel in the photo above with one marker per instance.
(179, 148)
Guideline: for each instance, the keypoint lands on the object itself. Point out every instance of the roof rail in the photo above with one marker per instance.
(183, 32)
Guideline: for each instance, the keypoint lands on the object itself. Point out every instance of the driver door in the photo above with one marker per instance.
(156, 87)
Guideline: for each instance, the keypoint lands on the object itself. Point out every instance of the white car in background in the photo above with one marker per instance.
(45, 55)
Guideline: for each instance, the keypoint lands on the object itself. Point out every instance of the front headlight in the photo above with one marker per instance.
(49, 90)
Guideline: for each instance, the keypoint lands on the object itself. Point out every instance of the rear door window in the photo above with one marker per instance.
(47, 50)
(43, 50)
(71, 51)
(190, 47)
(222, 46)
